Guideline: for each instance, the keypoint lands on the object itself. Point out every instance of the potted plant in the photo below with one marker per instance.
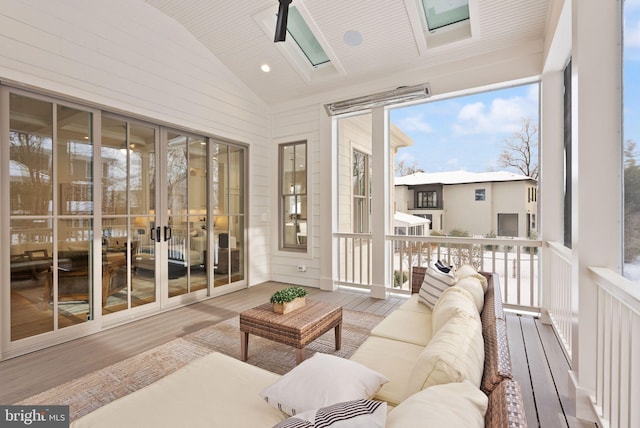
(288, 299)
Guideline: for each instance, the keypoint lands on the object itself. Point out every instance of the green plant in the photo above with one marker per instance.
(397, 282)
(288, 294)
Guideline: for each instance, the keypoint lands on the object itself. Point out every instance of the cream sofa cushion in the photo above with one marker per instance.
(406, 326)
(216, 390)
(393, 359)
(468, 270)
(414, 304)
(455, 353)
(452, 405)
(454, 301)
(475, 289)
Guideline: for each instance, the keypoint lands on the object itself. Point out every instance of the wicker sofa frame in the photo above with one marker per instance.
(505, 398)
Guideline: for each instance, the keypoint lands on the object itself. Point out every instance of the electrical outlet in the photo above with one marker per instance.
(302, 268)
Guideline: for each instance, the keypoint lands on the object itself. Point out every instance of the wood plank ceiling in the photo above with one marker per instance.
(392, 52)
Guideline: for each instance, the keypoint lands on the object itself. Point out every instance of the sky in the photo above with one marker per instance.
(464, 133)
(468, 133)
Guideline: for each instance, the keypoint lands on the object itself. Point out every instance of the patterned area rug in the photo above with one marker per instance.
(96, 389)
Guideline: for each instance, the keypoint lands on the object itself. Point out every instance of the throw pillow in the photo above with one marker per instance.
(435, 282)
(442, 406)
(320, 381)
(350, 414)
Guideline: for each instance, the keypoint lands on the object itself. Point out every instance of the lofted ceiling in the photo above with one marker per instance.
(393, 50)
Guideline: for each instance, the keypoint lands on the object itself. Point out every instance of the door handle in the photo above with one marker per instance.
(166, 229)
(155, 232)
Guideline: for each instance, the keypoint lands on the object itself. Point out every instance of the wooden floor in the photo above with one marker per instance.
(538, 362)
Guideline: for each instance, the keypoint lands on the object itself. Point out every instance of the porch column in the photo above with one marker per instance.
(596, 175)
(380, 202)
(328, 192)
(551, 182)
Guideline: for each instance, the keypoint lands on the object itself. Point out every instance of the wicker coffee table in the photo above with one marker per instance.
(297, 328)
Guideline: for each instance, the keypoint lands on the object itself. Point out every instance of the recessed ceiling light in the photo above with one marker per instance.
(352, 38)
(265, 68)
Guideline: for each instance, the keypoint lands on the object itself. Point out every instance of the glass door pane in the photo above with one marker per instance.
(128, 207)
(228, 209)
(187, 210)
(31, 205)
(51, 216)
(142, 220)
(73, 263)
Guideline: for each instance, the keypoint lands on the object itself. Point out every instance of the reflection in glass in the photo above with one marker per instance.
(74, 272)
(31, 156)
(31, 263)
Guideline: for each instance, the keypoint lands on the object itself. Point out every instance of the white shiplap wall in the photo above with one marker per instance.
(290, 126)
(128, 57)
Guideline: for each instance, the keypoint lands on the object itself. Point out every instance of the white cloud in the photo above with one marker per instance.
(502, 116)
(414, 123)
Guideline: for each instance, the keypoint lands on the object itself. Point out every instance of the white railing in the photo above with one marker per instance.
(354, 260)
(558, 293)
(515, 260)
(617, 350)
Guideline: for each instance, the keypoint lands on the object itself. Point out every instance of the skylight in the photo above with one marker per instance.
(441, 13)
(304, 38)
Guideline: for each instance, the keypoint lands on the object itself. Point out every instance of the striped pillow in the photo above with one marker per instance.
(349, 414)
(435, 282)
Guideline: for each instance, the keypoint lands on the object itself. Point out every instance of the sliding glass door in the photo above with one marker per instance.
(128, 164)
(51, 214)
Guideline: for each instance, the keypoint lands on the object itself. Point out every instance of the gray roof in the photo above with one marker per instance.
(458, 177)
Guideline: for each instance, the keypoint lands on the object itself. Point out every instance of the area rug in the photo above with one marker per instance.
(96, 389)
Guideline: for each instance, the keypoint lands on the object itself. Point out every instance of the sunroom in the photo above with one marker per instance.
(104, 105)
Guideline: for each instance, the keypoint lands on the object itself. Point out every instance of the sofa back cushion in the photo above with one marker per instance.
(455, 353)
(454, 301)
(440, 406)
(474, 287)
(435, 282)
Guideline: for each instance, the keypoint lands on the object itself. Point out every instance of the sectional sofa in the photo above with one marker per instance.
(449, 365)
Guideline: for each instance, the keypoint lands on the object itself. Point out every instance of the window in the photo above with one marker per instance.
(567, 155)
(428, 199)
(480, 194)
(428, 217)
(508, 225)
(293, 196)
(440, 13)
(304, 38)
(361, 192)
(631, 141)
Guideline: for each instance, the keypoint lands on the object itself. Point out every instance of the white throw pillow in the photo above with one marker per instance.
(350, 414)
(452, 405)
(320, 381)
(434, 283)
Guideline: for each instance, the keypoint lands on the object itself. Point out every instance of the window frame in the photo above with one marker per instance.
(429, 204)
(297, 193)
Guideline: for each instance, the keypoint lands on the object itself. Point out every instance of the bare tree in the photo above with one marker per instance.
(521, 150)
(402, 168)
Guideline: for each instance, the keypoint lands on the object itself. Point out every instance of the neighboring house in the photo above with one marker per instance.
(501, 202)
